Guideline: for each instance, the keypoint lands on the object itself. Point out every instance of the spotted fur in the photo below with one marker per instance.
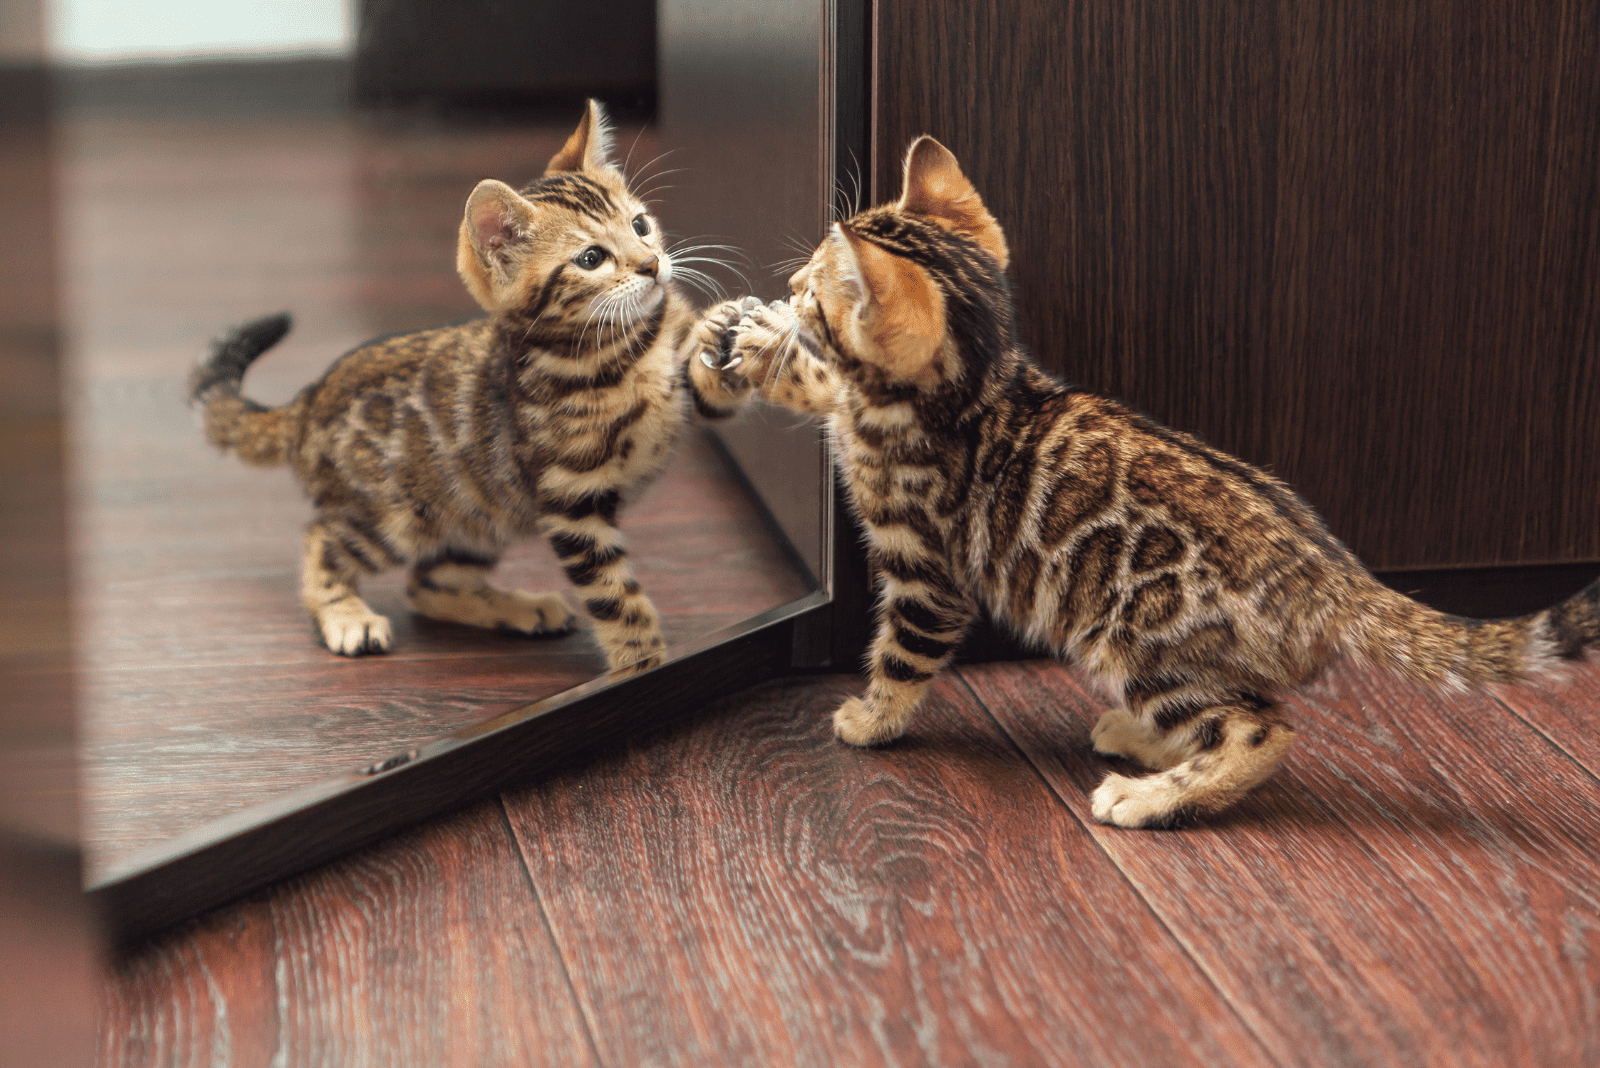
(437, 449)
(1195, 588)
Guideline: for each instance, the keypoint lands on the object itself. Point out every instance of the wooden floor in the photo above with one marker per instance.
(1420, 884)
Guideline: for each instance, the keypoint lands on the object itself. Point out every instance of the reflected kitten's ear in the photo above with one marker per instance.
(497, 221)
(589, 147)
(935, 187)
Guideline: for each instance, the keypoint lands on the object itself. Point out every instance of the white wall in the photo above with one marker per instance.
(111, 31)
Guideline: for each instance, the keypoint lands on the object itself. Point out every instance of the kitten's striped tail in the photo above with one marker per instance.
(1431, 647)
(257, 434)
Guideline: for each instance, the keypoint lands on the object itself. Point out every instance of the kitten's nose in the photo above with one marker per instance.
(650, 266)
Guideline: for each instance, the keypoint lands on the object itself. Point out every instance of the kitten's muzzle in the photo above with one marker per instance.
(650, 268)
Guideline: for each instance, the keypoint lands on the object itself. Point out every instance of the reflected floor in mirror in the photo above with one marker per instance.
(203, 687)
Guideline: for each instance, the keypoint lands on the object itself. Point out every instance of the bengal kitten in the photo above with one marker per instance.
(1195, 588)
(438, 448)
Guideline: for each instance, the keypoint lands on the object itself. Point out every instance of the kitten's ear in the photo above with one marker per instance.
(589, 147)
(900, 309)
(935, 187)
(497, 220)
(853, 267)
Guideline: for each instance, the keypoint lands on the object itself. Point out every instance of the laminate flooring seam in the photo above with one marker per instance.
(549, 928)
(1133, 886)
(1554, 744)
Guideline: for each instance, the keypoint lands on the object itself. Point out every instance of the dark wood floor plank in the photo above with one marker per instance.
(428, 949)
(1566, 710)
(1420, 884)
(746, 890)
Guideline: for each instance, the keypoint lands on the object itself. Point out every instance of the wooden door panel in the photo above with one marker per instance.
(1358, 244)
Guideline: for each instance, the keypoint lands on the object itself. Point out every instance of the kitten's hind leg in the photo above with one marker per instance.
(1231, 748)
(335, 557)
(454, 586)
(1120, 733)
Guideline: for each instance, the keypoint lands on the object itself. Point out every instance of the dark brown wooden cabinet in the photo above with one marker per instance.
(1356, 243)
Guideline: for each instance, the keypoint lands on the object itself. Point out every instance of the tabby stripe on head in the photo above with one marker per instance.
(575, 193)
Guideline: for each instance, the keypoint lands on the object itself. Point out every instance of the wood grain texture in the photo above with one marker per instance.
(205, 689)
(1415, 886)
(428, 949)
(746, 890)
(1356, 244)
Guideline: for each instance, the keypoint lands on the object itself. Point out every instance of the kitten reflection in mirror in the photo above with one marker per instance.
(438, 448)
(1193, 587)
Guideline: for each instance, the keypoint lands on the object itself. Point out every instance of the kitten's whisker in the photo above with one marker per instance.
(725, 265)
(649, 196)
(701, 281)
(645, 169)
(626, 159)
(855, 177)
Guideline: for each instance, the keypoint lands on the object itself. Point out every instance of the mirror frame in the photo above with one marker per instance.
(826, 630)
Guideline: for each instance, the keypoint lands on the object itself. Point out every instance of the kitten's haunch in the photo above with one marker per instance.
(1195, 588)
(439, 448)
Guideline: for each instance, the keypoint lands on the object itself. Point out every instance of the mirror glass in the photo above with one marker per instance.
(203, 687)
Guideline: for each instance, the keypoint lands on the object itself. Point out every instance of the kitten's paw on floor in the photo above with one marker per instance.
(484, 606)
(640, 666)
(350, 628)
(1152, 801)
(857, 723)
(533, 613)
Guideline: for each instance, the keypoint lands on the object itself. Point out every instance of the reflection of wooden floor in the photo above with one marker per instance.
(204, 689)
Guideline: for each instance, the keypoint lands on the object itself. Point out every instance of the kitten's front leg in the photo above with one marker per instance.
(583, 531)
(776, 357)
(921, 619)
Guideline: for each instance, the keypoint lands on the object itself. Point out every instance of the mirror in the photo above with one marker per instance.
(205, 695)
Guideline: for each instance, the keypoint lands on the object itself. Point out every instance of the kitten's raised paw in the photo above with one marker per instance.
(350, 628)
(1142, 804)
(857, 723)
(714, 333)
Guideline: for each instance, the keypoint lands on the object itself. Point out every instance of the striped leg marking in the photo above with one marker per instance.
(592, 553)
(917, 636)
(334, 559)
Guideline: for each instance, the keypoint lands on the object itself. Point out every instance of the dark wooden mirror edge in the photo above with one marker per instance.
(235, 856)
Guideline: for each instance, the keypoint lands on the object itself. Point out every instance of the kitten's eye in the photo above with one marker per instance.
(641, 225)
(590, 258)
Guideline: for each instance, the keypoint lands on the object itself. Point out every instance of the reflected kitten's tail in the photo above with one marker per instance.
(259, 435)
(1431, 647)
